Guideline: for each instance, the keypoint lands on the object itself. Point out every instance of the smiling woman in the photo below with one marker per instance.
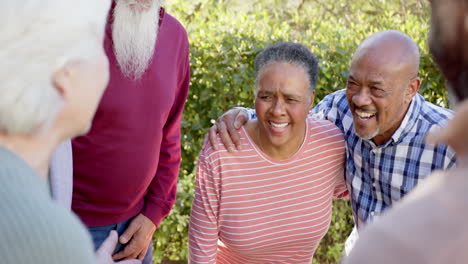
(271, 202)
(286, 77)
(282, 102)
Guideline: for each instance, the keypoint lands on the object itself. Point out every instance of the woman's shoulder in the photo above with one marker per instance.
(323, 135)
(208, 152)
(323, 126)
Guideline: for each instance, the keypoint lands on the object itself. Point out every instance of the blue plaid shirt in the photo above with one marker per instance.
(379, 175)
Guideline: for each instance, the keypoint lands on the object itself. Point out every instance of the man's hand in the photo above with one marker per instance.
(227, 126)
(104, 252)
(455, 133)
(138, 236)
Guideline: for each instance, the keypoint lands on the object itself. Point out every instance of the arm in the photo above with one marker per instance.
(341, 190)
(327, 109)
(203, 229)
(162, 190)
(227, 126)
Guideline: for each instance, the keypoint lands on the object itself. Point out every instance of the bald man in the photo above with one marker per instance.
(434, 229)
(384, 121)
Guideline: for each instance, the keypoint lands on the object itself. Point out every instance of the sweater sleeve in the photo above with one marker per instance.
(162, 190)
(204, 218)
(61, 174)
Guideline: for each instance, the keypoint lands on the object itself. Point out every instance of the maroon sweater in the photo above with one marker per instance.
(129, 161)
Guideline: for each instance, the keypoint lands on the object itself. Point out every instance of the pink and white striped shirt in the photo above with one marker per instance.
(250, 208)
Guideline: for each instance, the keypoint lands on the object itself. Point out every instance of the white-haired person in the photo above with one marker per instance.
(272, 201)
(53, 71)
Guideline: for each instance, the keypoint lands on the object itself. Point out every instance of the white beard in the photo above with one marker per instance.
(134, 33)
(371, 136)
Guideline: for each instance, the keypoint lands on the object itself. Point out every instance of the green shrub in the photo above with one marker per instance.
(225, 37)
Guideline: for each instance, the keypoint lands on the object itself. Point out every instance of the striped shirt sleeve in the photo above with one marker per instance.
(204, 227)
(341, 190)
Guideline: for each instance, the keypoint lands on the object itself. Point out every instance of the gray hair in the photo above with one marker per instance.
(292, 53)
(37, 38)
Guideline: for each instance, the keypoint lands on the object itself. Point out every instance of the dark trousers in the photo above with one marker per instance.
(100, 233)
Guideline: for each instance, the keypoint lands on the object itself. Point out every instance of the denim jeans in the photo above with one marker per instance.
(100, 233)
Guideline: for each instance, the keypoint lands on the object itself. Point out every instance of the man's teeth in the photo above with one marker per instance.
(278, 125)
(365, 115)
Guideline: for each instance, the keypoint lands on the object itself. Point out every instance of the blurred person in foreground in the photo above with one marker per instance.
(125, 169)
(429, 225)
(53, 71)
(271, 202)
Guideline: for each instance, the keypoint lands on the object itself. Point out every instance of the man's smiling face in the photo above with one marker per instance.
(377, 94)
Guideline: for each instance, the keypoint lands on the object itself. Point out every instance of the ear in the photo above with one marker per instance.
(312, 97)
(412, 89)
(61, 80)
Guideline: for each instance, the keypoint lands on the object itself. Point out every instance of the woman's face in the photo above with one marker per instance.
(282, 102)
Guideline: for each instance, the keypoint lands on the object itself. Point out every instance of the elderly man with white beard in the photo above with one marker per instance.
(125, 169)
